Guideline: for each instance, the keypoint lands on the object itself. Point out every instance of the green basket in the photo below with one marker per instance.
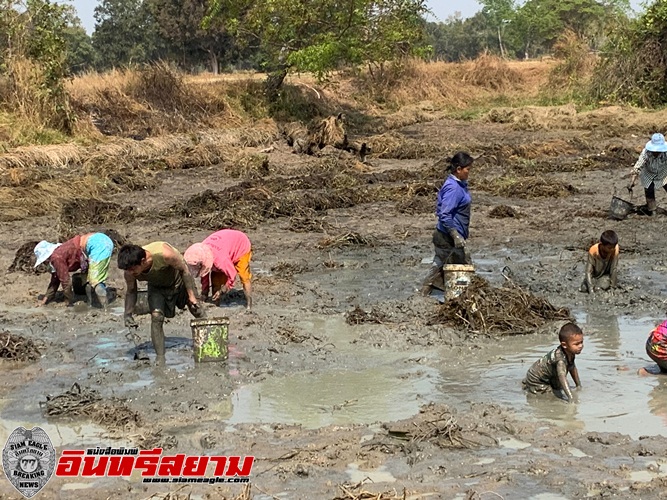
(209, 339)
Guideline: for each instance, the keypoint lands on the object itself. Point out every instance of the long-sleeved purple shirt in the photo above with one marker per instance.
(453, 206)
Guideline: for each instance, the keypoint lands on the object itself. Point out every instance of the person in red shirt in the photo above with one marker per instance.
(89, 253)
(218, 260)
(656, 348)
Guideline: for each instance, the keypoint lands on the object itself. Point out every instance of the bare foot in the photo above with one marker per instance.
(649, 370)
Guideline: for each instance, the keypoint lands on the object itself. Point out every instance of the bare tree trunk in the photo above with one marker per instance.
(213, 60)
(500, 43)
(274, 81)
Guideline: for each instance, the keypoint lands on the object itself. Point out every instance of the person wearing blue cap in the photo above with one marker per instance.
(651, 169)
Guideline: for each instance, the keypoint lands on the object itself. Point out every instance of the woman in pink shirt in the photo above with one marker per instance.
(218, 259)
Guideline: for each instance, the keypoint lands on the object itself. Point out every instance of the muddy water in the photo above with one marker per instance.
(613, 399)
(388, 386)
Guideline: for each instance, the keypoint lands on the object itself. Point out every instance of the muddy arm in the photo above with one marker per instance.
(613, 274)
(575, 376)
(589, 273)
(177, 261)
(51, 289)
(561, 370)
(130, 295)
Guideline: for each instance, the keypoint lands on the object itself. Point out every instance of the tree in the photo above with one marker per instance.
(180, 22)
(500, 13)
(125, 33)
(80, 50)
(322, 35)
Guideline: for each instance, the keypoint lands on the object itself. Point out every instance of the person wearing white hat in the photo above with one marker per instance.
(89, 252)
(651, 169)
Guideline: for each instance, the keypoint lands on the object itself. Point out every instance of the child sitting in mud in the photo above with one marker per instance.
(602, 264)
(656, 348)
(550, 372)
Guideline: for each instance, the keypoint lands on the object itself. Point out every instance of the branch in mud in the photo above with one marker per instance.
(18, 348)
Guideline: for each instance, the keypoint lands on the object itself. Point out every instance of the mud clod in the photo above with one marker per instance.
(502, 212)
(18, 348)
(358, 316)
(344, 240)
(506, 310)
(25, 259)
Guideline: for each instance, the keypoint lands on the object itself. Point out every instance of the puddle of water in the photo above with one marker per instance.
(576, 452)
(387, 390)
(547, 496)
(485, 461)
(513, 444)
(379, 475)
(613, 399)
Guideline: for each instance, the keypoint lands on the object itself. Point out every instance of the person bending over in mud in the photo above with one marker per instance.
(453, 211)
(550, 372)
(602, 264)
(91, 252)
(169, 285)
(217, 261)
(651, 168)
(656, 348)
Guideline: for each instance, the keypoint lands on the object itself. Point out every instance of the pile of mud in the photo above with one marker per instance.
(507, 310)
(18, 348)
(358, 316)
(24, 260)
(82, 402)
(77, 213)
(502, 212)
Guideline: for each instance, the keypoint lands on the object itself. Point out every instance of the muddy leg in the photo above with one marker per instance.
(101, 292)
(157, 334)
(433, 273)
(651, 204)
(89, 294)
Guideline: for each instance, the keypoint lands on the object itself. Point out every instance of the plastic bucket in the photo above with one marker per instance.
(457, 277)
(209, 339)
(619, 208)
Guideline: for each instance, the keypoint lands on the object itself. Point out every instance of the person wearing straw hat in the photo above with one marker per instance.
(170, 285)
(89, 252)
(651, 169)
(218, 260)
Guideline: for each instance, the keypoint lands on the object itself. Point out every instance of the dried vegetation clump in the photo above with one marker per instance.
(507, 310)
(358, 316)
(527, 187)
(493, 72)
(24, 260)
(502, 212)
(81, 402)
(18, 348)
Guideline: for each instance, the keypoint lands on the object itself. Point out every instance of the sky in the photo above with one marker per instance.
(441, 9)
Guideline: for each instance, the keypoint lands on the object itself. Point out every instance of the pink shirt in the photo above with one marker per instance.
(228, 246)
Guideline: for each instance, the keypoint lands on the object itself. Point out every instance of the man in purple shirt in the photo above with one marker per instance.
(453, 211)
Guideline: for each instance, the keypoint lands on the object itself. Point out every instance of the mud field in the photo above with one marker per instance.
(342, 382)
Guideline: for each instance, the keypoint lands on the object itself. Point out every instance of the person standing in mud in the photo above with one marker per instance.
(169, 285)
(218, 259)
(550, 372)
(453, 210)
(651, 169)
(86, 252)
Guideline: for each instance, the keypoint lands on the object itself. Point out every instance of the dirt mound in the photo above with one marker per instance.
(18, 348)
(90, 211)
(502, 212)
(288, 269)
(308, 224)
(534, 117)
(527, 187)
(506, 310)
(82, 402)
(25, 259)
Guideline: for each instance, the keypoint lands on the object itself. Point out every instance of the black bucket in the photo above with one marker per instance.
(620, 209)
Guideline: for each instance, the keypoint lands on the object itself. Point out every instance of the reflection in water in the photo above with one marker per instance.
(613, 397)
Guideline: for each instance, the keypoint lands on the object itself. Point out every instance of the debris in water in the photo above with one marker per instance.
(18, 348)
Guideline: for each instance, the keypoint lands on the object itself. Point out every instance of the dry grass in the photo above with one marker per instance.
(492, 72)
(527, 187)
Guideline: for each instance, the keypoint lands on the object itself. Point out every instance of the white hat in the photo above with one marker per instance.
(43, 251)
(657, 144)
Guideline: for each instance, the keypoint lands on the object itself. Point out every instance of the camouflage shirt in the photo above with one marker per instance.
(546, 371)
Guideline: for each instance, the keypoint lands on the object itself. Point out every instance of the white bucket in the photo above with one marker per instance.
(457, 277)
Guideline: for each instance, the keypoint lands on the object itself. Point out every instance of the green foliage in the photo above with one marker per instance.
(323, 35)
(125, 33)
(633, 66)
(35, 60)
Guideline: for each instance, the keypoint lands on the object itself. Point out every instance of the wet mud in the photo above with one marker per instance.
(340, 382)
